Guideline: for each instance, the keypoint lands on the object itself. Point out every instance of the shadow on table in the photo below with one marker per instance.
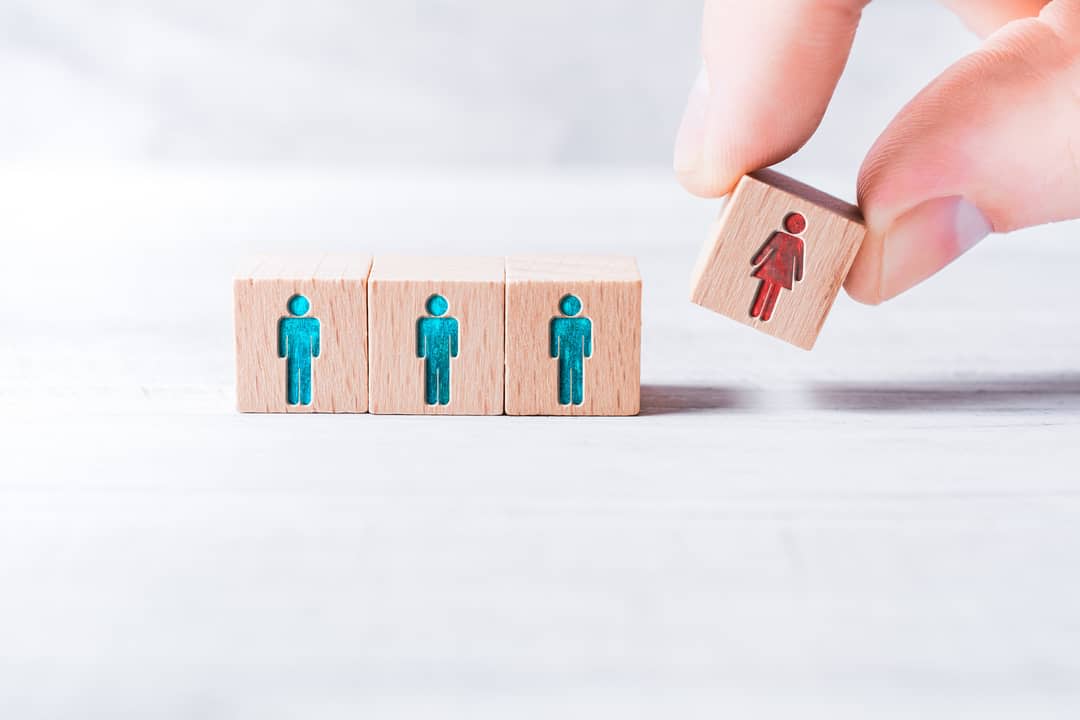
(1048, 393)
(680, 399)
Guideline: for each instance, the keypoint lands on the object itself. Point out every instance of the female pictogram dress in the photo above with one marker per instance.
(779, 264)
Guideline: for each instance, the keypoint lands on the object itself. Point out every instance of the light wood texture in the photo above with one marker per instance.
(724, 281)
(610, 292)
(398, 293)
(336, 287)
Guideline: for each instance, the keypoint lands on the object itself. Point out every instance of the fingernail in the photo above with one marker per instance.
(926, 239)
(690, 140)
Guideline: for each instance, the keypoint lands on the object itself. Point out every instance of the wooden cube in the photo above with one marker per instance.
(573, 336)
(436, 335)
(778, 256)
(301, 334)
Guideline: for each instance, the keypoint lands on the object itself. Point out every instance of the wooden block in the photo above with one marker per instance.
(301, 334)
(573, 336)
(436, 335)
(778, 256)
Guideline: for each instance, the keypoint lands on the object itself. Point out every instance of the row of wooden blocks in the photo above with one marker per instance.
(537, 335)
(528, 335)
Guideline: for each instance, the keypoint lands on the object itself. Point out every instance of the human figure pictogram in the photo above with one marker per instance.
(437, 342)
(571, 342)
(298, 343)
(779, 263)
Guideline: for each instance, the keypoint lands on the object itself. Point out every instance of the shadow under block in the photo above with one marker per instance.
(276, 346)
(403, 325)
(606, 316)
(765, 267)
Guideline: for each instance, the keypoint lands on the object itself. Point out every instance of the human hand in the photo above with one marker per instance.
(993, 144)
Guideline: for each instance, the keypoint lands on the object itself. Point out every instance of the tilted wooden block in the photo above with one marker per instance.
(436, 335)
(301, 334)
(778, 256)
(573, 336)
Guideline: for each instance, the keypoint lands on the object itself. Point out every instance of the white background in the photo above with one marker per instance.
(333, 83)
(885, 527)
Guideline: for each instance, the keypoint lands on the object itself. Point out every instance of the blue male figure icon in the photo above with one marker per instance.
(437, 342)
(571, 342)
(298, 343)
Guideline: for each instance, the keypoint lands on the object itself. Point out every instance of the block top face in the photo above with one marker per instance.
(404, 268)
(791, 186)
(571, 268)
(305, 267)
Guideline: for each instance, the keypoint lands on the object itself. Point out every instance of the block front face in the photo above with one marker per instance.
(301, 335)
(778, 256)
(436, 336)
(573, 336)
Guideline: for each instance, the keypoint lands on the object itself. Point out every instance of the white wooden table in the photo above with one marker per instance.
(885, 527)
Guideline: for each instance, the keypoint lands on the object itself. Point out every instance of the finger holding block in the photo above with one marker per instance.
(301, 334)
(573, 335)
(436, 335)
(777, 257)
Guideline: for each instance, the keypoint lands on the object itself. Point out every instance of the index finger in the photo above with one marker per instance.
(770, 69)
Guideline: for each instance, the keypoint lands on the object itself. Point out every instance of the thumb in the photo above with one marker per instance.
(991, 145)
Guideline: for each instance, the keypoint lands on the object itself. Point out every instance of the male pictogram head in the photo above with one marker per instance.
(437, 305)
(570, 305)
(299, 305)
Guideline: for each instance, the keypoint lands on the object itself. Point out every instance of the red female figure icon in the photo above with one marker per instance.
(779, 264)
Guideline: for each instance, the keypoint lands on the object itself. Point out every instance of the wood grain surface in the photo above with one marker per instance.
(610, 292)
(399, 290)
(723, 279)
(336, 286)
